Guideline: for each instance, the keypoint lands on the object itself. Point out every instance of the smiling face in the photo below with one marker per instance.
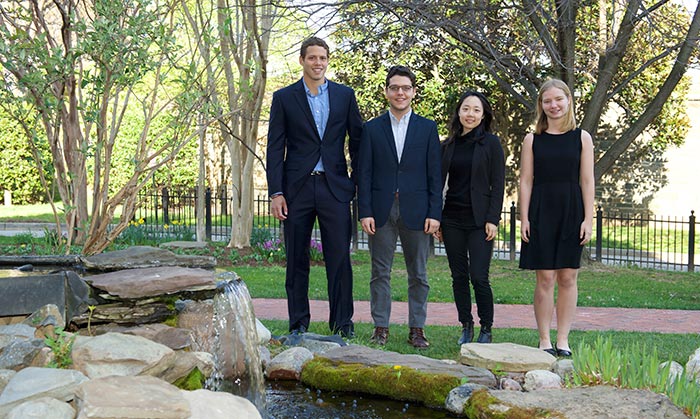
(555, 103)
(314, 64)
(399, 92)
(471, 113)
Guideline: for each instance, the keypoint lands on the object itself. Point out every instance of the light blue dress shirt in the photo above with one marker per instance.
(320, 108)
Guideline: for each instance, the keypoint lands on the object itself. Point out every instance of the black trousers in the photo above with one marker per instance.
(315, 200)
(469, 257)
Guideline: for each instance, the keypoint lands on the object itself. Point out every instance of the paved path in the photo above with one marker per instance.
(512, 316)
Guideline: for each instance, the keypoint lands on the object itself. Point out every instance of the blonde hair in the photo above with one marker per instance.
(541, 124)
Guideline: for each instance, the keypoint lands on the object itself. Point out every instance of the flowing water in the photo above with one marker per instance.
(238, 368)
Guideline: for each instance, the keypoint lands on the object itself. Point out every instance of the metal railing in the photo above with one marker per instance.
(659, 242)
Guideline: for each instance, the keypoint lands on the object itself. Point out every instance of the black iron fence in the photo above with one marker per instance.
(659, 242)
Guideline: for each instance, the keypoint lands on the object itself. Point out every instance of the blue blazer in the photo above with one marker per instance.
(294, 146)
(417, 177)
(487, 177)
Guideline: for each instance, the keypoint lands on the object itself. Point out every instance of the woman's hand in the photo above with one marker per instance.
(525, 230)
(586, 232)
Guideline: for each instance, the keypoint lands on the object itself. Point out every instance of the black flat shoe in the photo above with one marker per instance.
(467, 334)
(484, 337)
(551, 351)
(563, 352)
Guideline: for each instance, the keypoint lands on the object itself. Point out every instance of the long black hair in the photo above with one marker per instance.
(484, 126)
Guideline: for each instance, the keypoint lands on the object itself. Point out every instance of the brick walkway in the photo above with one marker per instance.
(512, 316)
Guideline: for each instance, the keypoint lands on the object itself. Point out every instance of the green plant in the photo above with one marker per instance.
(61, 344)
(633, 367)
(91, 308)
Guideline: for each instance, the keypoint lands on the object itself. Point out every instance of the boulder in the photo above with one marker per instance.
(144, 257)
(505, 357)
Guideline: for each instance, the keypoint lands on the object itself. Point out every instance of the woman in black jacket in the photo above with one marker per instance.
(473, 169)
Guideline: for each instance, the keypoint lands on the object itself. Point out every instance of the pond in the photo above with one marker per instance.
(292, 400)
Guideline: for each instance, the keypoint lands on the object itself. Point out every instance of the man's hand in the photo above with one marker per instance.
(368, 225)
(431, 226)
(278, 206)
(491, 231)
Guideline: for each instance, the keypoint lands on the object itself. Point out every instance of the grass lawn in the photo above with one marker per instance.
(599, 285)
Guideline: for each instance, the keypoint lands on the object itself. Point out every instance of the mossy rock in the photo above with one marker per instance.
(479, 405)
(192, 381)
(393, 381)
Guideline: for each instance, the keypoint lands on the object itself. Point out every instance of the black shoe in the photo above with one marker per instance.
(467, 334)
(298, 331)
(551, 351)
(563, 352)
(347, 332)
(484, 337)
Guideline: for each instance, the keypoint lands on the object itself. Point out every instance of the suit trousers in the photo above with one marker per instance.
(382, 246)
(315, 200)
(469, 257)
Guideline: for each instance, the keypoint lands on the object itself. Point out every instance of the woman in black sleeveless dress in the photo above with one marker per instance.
(556, 203)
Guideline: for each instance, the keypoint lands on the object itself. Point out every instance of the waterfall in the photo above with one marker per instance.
(238, 369)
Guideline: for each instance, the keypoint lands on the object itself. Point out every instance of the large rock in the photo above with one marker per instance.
(14, 332)
(144, 257)
(20, 353)
(355, 354)
(505, 357)
(131, 397)
(288, 364)
(577, 403)
(152, 282)
(119, 354)
(205, 404)
(42, 408)
(32, 383)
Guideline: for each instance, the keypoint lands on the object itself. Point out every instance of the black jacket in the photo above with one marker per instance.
(488, 177)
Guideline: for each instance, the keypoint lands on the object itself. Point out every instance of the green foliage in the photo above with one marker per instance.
(495, 48)
(138, 233)
(61, 345)
(18, 170)
(633, 366)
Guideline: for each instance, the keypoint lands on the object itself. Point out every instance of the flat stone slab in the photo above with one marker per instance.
(597, 402)
(145, 257)
(151, 282)
(356, 354)
(509, 357)
(22, 295)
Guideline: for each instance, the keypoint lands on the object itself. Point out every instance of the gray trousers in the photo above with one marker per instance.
(382, 246)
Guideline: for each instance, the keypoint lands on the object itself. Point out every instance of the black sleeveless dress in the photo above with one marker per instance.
(556, 203)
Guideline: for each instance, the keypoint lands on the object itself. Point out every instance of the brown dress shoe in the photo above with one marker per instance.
(417, 338)
(380, 335)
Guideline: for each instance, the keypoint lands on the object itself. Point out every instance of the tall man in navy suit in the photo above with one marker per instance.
(307, 177)
(400, 195)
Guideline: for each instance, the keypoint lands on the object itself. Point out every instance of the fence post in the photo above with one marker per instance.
(599, 234)
(512, 231)
(166, 204)
(207, 213)
(691, 242)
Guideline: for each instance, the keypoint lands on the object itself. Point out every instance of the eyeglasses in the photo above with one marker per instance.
(395, 89)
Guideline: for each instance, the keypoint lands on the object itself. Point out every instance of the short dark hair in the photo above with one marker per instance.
(484, 126)
(400, 70)
(313, 41)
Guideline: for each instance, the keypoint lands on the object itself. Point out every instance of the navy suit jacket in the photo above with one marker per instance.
(487, 177)
(417, 177)
(294, 146)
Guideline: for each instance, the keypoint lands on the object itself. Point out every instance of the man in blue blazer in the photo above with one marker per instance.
(400, 196)
(307, 177)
